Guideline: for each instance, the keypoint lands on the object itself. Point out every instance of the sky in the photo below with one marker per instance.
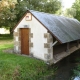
(67, 3)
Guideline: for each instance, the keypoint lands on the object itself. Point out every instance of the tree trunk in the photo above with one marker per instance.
(11, 31)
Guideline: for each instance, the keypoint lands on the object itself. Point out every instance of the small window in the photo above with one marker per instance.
(28, 17)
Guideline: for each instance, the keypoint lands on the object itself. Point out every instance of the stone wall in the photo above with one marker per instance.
(17, 41)
(30, 42)
(49, 54)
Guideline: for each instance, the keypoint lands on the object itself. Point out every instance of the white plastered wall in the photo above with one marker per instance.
(38, 39)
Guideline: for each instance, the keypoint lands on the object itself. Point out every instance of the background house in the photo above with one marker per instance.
(46, 36)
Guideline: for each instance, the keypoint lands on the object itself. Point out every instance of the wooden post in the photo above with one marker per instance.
(67, 47)
(77, 43)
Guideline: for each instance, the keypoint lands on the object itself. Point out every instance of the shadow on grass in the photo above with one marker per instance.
(6, 36)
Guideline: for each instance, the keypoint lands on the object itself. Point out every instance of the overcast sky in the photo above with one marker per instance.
(67, 3)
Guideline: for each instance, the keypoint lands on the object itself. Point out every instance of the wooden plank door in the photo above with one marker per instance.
(25, 41)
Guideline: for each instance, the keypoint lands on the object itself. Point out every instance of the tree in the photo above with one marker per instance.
(69, 12)
(76, 6)
(12, 10)
(50, 6)
(7, 13)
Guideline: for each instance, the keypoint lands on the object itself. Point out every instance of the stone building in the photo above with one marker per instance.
(46, 36)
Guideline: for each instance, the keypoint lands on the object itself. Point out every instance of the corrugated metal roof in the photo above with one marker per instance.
(63, 28)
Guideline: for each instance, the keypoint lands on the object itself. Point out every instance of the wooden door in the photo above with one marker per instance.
(25, 41)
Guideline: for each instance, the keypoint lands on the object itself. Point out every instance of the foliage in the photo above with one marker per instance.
(17, 67)
(50, 6)
(76, 6)
(76, 70)
(76, 73)
(7, 13)
(69, 12)
(12, 10)
(74, 11)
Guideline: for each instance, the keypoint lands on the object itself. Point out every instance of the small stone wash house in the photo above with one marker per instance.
(46, 36)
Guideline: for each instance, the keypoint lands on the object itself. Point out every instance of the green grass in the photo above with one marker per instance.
(17, 67)
(5, 36)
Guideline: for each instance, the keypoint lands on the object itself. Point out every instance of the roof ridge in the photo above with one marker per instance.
(42, 12)
(53, 14)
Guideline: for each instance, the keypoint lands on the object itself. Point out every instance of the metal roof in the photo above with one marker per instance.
(63, 28)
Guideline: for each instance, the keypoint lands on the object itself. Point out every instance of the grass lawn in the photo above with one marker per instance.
(17, 67)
